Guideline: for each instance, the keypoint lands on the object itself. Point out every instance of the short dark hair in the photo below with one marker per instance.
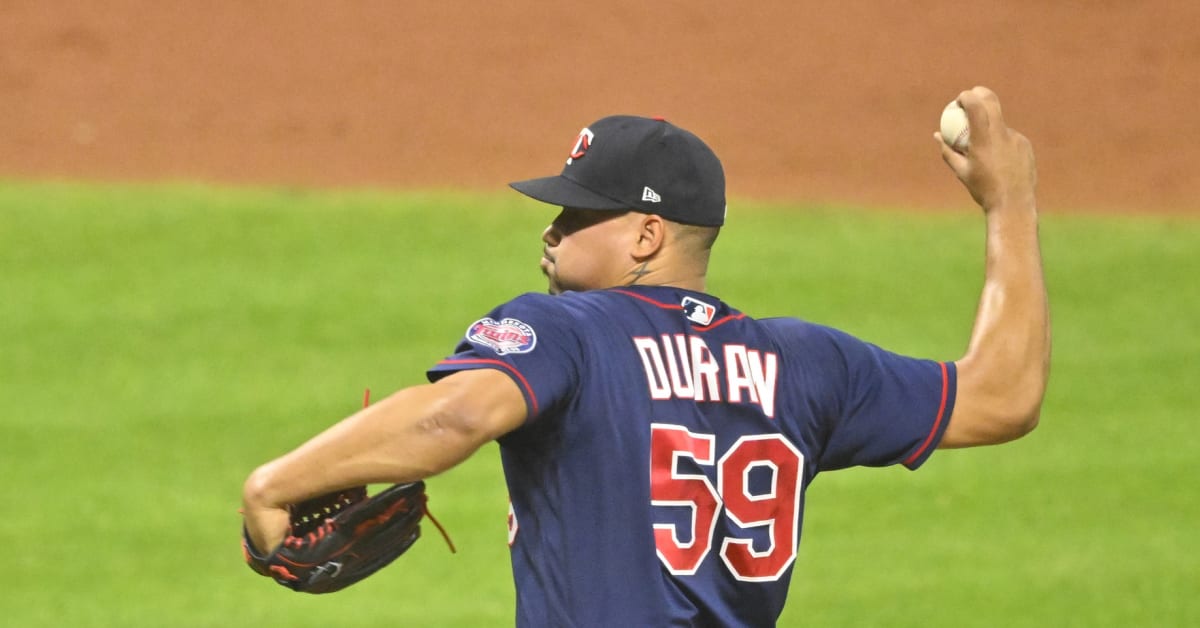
(697, 238)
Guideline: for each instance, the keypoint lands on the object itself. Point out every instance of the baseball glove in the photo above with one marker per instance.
(342, 537)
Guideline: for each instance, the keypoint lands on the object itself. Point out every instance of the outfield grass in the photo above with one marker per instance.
(157, 342)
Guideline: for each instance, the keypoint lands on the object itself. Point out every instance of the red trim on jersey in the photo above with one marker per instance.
(937, 422)
(671, 306)
(665, 306)
(732, 317)
(517, 374)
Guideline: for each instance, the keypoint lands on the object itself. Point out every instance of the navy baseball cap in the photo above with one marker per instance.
(648, 165)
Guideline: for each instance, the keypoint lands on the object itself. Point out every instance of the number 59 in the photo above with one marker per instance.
(778, 509)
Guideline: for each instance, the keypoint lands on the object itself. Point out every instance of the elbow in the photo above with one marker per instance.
(1025, 422)
(993, 424)
(1023, 412)
(258, 489)
(1027, 412)
(1002, 420)
(993, 408)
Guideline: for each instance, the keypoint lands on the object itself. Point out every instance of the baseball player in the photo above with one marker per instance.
(656, 441)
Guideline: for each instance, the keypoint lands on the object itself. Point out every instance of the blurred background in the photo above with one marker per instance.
(811, 101)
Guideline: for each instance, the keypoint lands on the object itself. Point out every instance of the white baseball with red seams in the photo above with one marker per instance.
(955, 130)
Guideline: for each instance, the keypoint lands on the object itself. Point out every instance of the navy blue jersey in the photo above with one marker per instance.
(659, 477)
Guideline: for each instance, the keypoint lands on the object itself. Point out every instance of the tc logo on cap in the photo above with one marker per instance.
(582, 143)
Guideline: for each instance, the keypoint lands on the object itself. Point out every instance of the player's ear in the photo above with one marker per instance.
(651, 232)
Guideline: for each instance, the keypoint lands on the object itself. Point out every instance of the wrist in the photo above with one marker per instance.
(266, 519)
(264, 529)
(1012, 210)
(1014, 202)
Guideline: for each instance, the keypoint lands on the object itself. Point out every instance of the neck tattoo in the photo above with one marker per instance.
(638, 273)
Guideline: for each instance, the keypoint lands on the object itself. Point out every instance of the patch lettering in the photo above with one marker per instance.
(506, 336)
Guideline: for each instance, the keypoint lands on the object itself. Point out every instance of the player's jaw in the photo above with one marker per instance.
(581, 249)
(547, 265)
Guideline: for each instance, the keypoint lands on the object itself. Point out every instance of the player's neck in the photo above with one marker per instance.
(648, 275)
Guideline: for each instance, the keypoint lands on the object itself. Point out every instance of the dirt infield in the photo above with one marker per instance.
(804, 101)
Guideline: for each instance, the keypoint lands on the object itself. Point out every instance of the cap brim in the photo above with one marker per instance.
(559, 190)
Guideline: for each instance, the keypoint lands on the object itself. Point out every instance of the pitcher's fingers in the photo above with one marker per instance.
(957, 161)
(980, 115)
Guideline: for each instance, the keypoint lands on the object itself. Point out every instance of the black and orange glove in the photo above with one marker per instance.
(342, 537)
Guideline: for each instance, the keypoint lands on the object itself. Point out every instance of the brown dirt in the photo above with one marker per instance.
(803, 102)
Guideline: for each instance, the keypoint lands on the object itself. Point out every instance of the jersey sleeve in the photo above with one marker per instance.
(528, 339)
(874, 407)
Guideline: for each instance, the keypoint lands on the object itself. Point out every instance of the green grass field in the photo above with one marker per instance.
(158, 342)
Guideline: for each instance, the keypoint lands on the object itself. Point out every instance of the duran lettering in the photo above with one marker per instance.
(706, 370)
(680, 366)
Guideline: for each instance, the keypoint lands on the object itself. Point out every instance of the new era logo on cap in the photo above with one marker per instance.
(650, 196)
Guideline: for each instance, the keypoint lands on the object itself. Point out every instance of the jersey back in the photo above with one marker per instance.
(659, 479)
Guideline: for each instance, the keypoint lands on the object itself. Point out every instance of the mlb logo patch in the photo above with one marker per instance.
(697, 311)
(506, 336)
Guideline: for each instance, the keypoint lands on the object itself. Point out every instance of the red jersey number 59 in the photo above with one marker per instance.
(777, 509)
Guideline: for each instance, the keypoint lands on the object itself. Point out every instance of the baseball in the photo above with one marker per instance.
(955, 130)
